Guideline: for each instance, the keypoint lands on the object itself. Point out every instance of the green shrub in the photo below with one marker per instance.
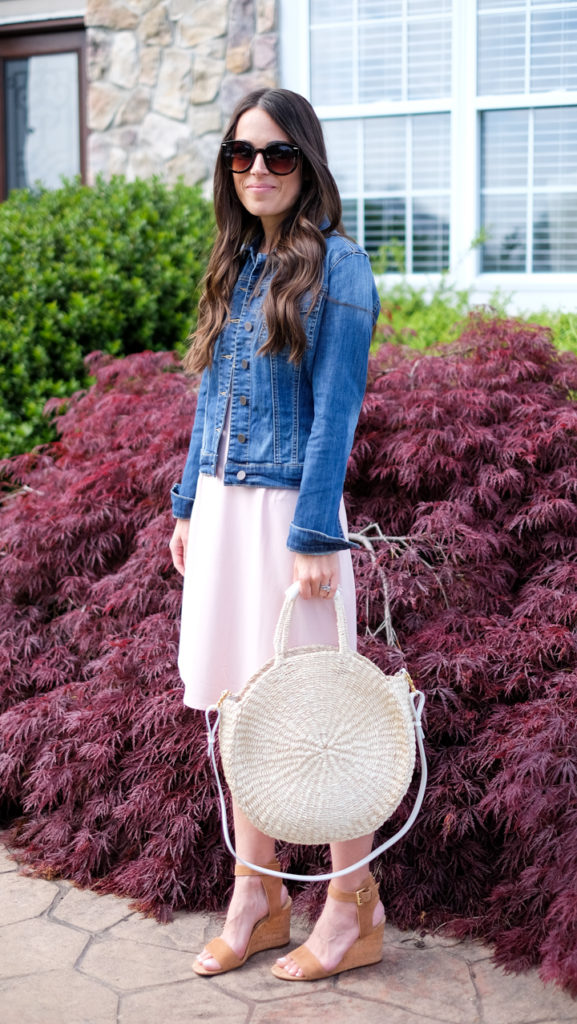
(115, 267)
(411, 316)
(563, 326)
(422, 318)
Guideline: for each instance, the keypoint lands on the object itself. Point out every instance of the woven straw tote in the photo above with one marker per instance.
(320, 745)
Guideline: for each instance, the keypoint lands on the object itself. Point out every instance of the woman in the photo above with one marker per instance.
(283, 335)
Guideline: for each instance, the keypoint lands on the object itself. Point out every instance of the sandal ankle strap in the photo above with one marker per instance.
(242, 869)
(366, 898)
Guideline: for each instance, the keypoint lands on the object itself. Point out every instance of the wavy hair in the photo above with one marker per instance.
(298, 252)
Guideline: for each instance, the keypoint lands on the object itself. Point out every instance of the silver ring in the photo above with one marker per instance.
(326, 587)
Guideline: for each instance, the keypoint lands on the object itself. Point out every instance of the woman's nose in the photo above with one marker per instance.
(259, 166)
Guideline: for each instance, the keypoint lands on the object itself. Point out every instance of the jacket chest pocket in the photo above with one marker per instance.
(285, 379)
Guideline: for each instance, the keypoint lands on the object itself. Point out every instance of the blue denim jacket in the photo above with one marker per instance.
(290, 426)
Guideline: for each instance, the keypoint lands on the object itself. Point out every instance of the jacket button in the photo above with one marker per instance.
(243, 399)
(248, 326)
(241, 475)
(241, 438)
(244, 364)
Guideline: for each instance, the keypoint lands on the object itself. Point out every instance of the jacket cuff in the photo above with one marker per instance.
(312, 542)
(181, 505)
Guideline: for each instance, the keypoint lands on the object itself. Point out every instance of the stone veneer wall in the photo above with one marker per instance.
(163, 78)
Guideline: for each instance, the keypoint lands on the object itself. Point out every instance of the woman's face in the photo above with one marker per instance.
(265, 195)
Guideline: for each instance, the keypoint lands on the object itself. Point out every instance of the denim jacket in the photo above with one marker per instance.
(290, 426)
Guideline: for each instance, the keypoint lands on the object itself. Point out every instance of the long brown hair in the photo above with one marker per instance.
(299, 247)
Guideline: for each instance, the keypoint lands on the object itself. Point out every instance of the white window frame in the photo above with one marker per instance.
(527, 290)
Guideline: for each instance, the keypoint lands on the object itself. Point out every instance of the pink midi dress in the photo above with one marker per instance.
(238, 568)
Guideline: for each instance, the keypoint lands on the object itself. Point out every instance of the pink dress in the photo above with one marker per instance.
(237, 570)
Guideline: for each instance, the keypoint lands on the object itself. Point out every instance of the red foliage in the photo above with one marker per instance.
(467, 460)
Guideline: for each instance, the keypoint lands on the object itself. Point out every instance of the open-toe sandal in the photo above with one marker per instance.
(367, 949)
(270, 932)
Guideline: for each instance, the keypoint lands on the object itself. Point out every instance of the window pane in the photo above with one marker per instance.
(429, 59)
(380, 9)
(504, 220)
(342, 141)
(493, 5)
(385, 160)
(555, 159)
(432, 151)
(430, 234)
(501, 53)
(554, 50)
(385, 225)
(350, 219)
(505, 135)
(42, 120)
(331, 66)
(555, 233)
(430, 6)
(380, 72)
(323, 11)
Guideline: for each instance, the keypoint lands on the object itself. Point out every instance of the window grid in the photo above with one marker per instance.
(347, 26)
(372, 212)
(466, 107)
(550, 244)
(523, 17)
(549, 247)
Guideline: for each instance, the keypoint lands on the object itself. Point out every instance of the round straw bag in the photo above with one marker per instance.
(320, 744)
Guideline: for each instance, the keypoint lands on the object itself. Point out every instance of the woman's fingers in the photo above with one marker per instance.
(318, 575)
(178, 544)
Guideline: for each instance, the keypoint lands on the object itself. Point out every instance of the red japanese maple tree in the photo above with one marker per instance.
(466, 462)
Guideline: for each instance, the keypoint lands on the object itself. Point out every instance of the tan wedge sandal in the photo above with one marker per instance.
(367, 949)
(270, 932)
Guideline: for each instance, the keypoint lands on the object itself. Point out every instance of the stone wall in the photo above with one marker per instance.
(164, 76)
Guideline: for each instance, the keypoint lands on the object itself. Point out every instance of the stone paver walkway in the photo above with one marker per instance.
(69, 956)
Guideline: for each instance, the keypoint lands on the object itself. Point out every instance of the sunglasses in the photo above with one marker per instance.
(279, 157)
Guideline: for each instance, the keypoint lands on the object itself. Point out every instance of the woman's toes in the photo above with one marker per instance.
(210, 964)
(291, 967)
(207, 961)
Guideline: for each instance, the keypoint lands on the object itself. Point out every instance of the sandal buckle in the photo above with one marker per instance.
(363, 896)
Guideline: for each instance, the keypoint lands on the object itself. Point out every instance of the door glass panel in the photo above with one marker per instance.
(42, 120)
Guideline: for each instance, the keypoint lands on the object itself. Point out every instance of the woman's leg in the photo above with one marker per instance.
(249, 903)
(337, 927)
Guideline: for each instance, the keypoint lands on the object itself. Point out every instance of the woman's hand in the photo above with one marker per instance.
(315, 572)
(178, 544)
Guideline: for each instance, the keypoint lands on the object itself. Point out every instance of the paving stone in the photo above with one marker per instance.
(196, 1000)
(128, 966)
(186, 932)
(313, 1004)
(91, 911)
(57, 997)
(424, 982)
(7, 863)
(520, 998)
(38, 945)
(22, 898)
(470, 950)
